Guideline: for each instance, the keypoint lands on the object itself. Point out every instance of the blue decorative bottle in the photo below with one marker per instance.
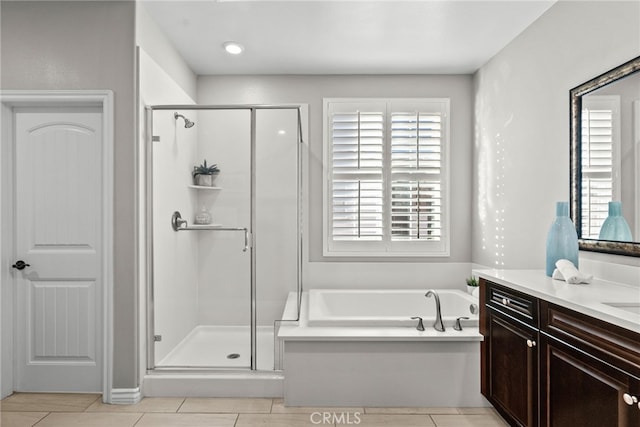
(615, 227)
(562, 240)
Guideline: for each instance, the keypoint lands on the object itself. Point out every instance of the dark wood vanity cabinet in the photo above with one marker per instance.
(579, 390)
(590, 371)
(548, 366)
(510, 355)
(512, 370)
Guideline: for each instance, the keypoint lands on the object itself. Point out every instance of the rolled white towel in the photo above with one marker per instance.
(557, 275)
(571, 274)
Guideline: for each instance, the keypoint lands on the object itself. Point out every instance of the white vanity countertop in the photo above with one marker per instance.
(589, 299)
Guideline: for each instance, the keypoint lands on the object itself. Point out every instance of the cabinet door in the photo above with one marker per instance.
(512, 369)
(580, 390)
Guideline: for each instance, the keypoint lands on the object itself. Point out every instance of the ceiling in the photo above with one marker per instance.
(342, 36)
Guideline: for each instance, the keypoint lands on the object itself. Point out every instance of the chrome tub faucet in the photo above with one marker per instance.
(438, 325)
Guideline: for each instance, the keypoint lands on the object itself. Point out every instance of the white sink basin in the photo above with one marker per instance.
(631, 307)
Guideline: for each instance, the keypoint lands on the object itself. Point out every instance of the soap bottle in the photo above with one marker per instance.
(203, 217)
(562, 239)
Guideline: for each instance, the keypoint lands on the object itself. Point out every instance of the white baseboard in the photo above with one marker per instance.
(125, 396)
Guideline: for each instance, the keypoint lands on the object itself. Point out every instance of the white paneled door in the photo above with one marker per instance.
(59, 228)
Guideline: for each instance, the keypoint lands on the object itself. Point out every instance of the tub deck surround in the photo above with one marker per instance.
(395, 366)
(342, 326)
(336, 307)
(618, 304)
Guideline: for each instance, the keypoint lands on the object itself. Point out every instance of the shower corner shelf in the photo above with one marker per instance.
(204, 187)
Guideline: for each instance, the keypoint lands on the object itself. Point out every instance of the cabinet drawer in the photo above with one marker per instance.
(521, 306)
(613, 344)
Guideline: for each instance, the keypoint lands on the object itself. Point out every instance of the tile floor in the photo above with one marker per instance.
(70, 410)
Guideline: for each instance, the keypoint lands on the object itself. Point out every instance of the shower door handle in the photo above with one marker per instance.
(179, 224)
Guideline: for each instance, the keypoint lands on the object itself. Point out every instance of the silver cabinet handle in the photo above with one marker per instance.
(531, 343)
(505, 301)
(629, 400)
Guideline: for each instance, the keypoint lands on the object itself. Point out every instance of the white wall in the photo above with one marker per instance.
(521, 143)
(62, 45)
(325, 272)
(155, 43)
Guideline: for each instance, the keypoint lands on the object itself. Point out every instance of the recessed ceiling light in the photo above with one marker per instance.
(233, 48)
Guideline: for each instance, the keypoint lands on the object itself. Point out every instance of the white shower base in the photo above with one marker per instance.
(210, 346)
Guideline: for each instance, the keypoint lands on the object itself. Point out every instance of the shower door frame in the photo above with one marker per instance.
(150, 139)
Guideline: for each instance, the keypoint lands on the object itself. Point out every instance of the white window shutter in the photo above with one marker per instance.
(416, 166)
(357, 192)
(385, 175)
(599, 140)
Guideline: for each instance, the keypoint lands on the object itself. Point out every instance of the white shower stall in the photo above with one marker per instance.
(217, 291)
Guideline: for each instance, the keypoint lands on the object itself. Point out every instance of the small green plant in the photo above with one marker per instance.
(472, 281)
(205, 169)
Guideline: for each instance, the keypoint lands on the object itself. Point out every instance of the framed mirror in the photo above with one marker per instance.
(605, 161)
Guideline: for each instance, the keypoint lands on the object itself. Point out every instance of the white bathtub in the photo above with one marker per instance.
(387, 308)
(361, 348)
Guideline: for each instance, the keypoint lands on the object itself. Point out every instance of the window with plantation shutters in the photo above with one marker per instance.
(599, 148)
(385, 175)
(357, 192)
(416, 173)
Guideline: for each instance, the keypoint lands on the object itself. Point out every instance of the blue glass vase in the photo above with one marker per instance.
(562, 239)
(615, 227)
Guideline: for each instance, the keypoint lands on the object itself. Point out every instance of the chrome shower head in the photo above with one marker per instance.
(187, 123)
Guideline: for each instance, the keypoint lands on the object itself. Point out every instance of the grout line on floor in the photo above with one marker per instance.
(99, 398)
(40, 420)
(180, 405)
(139, 418)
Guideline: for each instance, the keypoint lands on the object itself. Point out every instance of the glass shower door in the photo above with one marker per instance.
(219, 289)
(202, 272)
(277, 224)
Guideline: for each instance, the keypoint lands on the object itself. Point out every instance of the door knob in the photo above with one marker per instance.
(20, 265)
(629, 400)
(531, 343)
